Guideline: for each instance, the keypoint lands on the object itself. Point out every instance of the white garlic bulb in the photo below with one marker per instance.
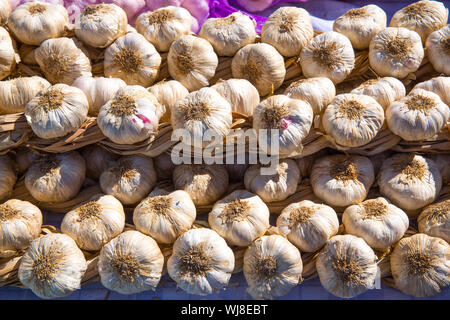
(434, 220)
(53, 266)
(261, 64)
(192, 61)
(168, 93)
(240, 218)
(129, 179)
(329, 55)
(166, 216)
(201, 262)
(130, 263)
(5, 11)
(418, 116)
(272, 267)
(308, 225)
(240, 93)
(395, 52)
(342, 180)
(227, 35)
(56, 111)
(9, 176)
(384, 90)
(97, 160)
(164, 165)
(7, 54)
(438, 50)
(347, 266)
(438, 85)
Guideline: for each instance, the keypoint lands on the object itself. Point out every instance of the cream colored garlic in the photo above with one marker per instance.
(384, 90)
(130, 263)
(8, 56)
(420, 265)
(34, 22)
(395, 52)
(342, 180)
(272, 267)
(353, 120)
(9, 176)
(5, 11)
(53, 266)
(438, 50)
(129, 179)
(24, 158)
(227, 35)
(164, 165)
(329, 55)
(261, 64)
(347, 266)
(434, 220)
(168, 93)
(97, 160)
(438, 85)
(240, 93)
(26, 53)
(240, 218)
(192, 61)
(274, 187)
(56, 111)
(418, 116)
(201, 262)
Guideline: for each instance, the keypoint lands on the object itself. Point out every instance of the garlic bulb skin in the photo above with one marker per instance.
(9, 176)
(7, 54)
(272, 267)
(261, 64)
(329, 55)
(192, 61)
(395, 52)
(130, 263)
(308, 225)
(347, 266)
(227, 35)
(275, 187)
(442, 161)
(34, 22)
(56, 111)
(342, 180)
(438, 85)
(240, 93)
(5, 11)
(420, 265)
(165, 217)
(53, 266)
(353, 120)
(434, 220)
(418, 116)
(24, 158)
(164, 165)
(201, 262)
(97, 160)
(168, 93)
(384, 90)
(437, 46)
(240, 218)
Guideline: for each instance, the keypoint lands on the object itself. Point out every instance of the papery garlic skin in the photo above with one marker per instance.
(97, 160)
(9, 176)
(434, 220)
(164, 165)
(272, 267)
(5, 11)
(438, 50)
(201, 262)
(442, 161)
(24, 158)
(438, 85)
(26, 53)
(53, 266)
(168, 93)
(7, 54)
(384, 90)
(240, 93)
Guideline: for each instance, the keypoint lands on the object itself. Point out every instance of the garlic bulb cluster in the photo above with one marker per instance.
(384, 90)
(5, 11)
(130, 263)
(438, 85)
(7, 54)
(227, 35)
(9, 176)
(168, 93)
(240, 93)
(261, 64)
(97, 160)
(438, 50)
(272, 267)
(434, 220)
(329, 55)
(201, 262)
(53, 266)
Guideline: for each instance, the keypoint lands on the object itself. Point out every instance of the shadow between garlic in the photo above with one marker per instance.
(9, 176)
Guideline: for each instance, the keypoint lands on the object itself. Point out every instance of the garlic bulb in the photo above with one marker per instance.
(94, 223)
(438, 85)
(56, 111)
(168, 93)
(20, 223)
(347, 266)
(308, 225)
(420, 265)
(165, 217)
(291, 117)
(353, 120)
(240, 218)
(318, 92)
(129, 179)
(7, 54)
(384, 90)
(192, 61)
(205, 184)
(130, 263)
(361, 24)
(97, 160)
(272, 267)
(24, 158)
(261, 64)
(164, 25)
(164, 166)
(442, 161)
(410, 181)
(438, 50)
(201, 262)
(434, 220)
(53, 266)
(395, 52)
(342, 180)
(274, 187)
(423, 17)
(5, 11)
(9, 176)
(329, 55)
(418, 116)
(240, 93)
(288, 29)
(133, 59)
(34, 22)
(227, 35)
(131, 116)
